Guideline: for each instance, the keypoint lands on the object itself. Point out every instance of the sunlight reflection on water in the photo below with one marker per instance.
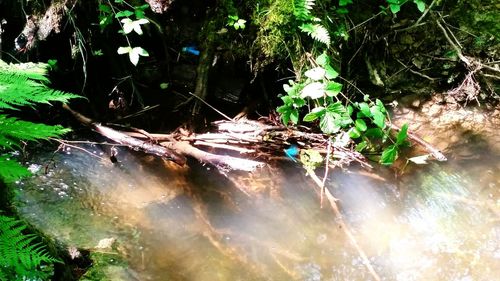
(439, 224)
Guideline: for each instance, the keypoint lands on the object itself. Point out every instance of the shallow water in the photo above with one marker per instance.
(437, 222)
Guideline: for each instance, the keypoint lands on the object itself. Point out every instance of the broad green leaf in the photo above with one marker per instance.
(402, 135)
(125, 13)
(285, 117)
(323, 60)
(333, 88)
(420, 5)
(354, 133)
(287, 99)
(336, 107)
(316, 113)
(104, 8)
(317, 73)
(360, 125)
(342, 11)
(365, 109)
(294, 116)
(395, 8)
(331, 73)
(128, 25)
(349, 110)
(345, 120)
(380, 106)
(313, 90)
(361, 146)
(378, 117)
(164, 86)
(389, 155)
(135, 53)
(376, 133)
(139, 14)
(328, 124)
(344, 2)
(283, 108)
(124, 50)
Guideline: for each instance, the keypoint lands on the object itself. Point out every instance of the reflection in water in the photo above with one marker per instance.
(442, 223)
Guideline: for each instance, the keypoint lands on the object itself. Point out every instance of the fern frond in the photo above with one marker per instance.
(302, 9)
(15, 130)
(21, 90)
(33, 71)
(10, 170)
(317, 32)
(20, 258)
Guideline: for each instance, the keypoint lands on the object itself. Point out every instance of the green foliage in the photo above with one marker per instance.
(334, 113)
(395, 5)
(122, 11)
(21, 258)
(235, 22)
(24, 85)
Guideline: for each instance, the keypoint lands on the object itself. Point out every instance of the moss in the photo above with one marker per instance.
(107, 266)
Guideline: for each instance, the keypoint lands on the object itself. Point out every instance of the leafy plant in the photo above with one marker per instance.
(123, 11)
(24, 85)
(21, 257)
(235, 22)
(395, 5)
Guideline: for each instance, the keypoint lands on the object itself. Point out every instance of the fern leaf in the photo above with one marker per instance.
(33, 71)
(16, 130)
(20, 258)
(302, 9)
(21, 91)
(10, 170)
(317, 32)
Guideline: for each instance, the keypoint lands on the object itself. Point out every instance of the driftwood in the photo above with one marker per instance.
(256, 140)
(172, 150)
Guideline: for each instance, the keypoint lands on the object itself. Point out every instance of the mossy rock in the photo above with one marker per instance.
(108, 267)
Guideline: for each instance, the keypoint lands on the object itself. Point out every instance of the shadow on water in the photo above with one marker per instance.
(439, 222)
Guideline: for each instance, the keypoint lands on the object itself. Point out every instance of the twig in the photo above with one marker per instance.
(425, 12)
(327, 160)
(343, 225)
(215, 109)
(65, 143)
(416, 72)
(457, 49)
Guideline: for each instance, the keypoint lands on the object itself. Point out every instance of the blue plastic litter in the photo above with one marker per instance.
(292, 152)
(191, 50)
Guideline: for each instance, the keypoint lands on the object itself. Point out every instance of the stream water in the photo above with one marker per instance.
(440, 221)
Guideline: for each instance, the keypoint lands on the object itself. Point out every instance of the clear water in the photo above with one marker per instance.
(437, 222)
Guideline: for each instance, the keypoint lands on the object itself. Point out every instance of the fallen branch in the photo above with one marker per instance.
(340, 220)
(172, 150)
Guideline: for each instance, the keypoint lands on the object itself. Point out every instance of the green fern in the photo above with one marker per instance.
(317, 32)
(11, 170)
(302, 9)
(24, 85)
(20, 257)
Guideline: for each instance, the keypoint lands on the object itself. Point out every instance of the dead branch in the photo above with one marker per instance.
(171, 150)
(340, 220)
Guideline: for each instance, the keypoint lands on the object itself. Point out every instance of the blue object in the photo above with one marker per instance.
(292, 152)
(191, 50)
